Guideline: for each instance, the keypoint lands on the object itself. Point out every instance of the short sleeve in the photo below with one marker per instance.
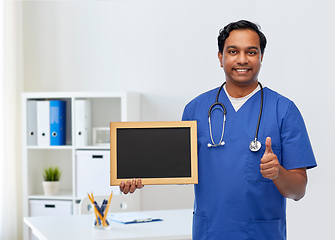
(189, 110)
(184, 117)
(297, 151)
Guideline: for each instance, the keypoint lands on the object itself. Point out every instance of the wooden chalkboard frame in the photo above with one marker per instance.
(192, 125)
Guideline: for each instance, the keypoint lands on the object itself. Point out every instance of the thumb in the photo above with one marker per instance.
(268, 146)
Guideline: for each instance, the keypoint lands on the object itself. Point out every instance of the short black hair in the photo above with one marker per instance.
(241, 24)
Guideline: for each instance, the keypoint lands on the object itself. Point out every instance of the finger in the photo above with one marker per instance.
(126, 187)
(122, 186)
(270, 173)
(133, 186)
(268, 146)
(267, 158)
(267, 171)
(272, 176)
(139, 184)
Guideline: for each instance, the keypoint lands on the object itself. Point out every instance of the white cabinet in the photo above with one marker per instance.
(104, 107)
(93, 173)
(49, 208)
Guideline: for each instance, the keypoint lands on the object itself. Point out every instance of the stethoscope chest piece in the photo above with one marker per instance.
(255, 146)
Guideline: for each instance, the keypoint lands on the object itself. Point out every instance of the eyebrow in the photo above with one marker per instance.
(235, 47)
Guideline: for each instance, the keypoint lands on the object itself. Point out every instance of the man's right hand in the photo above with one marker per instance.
(131, 186)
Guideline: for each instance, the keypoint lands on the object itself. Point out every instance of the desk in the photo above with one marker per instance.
(176, 224)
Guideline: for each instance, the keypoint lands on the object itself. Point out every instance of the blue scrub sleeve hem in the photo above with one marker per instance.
(296, 167)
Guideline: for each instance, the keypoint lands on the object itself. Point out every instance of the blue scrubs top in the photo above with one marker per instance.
(232, 199)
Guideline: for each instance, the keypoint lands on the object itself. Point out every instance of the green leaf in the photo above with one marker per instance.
(52, 174)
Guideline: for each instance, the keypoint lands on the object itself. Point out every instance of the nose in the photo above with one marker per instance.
(242, 58)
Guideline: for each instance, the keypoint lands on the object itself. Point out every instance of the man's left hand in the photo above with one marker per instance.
(269, 162)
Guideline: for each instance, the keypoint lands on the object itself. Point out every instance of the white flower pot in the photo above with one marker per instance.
(50, 188)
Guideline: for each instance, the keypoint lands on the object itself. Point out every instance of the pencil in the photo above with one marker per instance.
(95, 210)
(103, 222)
(108, 203)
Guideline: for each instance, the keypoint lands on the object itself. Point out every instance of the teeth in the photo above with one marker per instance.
(241, 70)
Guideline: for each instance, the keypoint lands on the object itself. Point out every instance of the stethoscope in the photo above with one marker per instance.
(255, 145)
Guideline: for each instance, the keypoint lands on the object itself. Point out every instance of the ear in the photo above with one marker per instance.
(220, 58)
(262, 57)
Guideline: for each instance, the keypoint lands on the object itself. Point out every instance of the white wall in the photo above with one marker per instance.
(167, 50)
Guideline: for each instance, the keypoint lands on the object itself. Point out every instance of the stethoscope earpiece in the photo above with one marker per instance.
(255, 145)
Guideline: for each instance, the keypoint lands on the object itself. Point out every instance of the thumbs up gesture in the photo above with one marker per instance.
(269, 162)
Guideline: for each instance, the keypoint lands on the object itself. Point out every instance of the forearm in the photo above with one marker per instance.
(291, 183)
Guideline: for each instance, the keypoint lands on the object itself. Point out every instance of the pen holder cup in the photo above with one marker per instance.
(98, 216)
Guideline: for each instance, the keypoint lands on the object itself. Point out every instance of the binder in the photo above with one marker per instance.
(31, 122)
(57, 122)
(43, 123)
(82, 122)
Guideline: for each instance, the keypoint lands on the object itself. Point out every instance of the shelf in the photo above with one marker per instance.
(68, 147)
(93, 148)
(51, 147)
(103, 108)
(62, 195)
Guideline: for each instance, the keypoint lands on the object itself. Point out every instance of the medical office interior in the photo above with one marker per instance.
(166, 50)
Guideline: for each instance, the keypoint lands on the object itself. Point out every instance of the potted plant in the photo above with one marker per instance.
(51, 177)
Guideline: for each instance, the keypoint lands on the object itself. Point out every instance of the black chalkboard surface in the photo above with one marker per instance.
(156, 152)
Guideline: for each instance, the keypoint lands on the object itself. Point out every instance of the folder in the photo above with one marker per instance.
(82, 122)
(131, 217)
(43, 123)
(31, 122)
(57, 122)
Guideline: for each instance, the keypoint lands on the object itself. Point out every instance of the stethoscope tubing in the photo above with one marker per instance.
(260, 111)
(255, 145)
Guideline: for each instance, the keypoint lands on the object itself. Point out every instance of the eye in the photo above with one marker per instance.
(232, 51)
(252, 53)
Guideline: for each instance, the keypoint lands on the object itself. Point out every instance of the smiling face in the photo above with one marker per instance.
(241, 58)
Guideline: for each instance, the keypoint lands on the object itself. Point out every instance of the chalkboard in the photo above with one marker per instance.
(156, 152)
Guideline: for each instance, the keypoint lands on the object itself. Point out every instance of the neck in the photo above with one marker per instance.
(240, 90)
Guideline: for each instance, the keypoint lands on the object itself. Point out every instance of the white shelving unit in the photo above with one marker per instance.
(106, 107)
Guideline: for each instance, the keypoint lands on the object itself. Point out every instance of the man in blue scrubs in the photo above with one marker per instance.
(242, 194)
